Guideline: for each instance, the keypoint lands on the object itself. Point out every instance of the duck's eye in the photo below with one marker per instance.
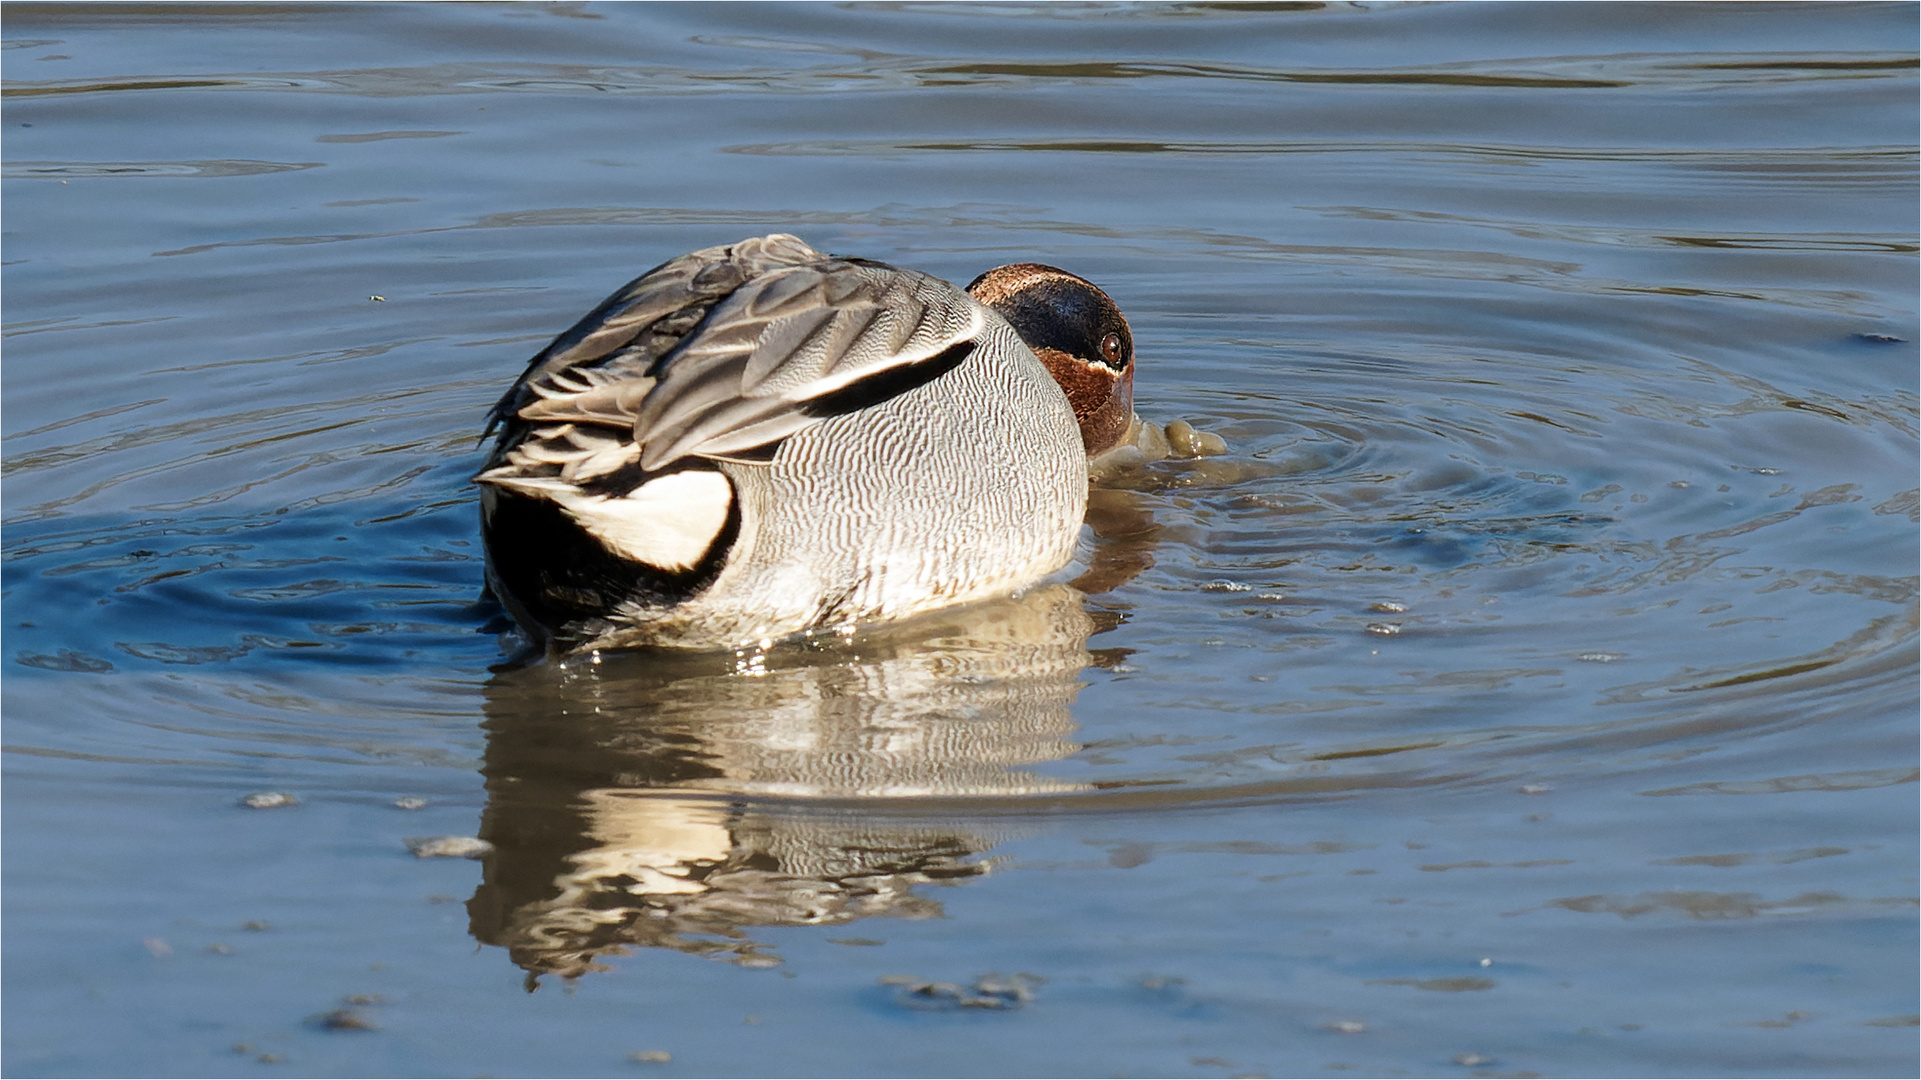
(1111, 349)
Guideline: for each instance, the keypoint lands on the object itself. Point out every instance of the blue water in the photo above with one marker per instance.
(1530, 690)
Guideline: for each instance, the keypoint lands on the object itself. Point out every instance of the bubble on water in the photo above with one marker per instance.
(268, 800)
(448, 847)
(1185, 440)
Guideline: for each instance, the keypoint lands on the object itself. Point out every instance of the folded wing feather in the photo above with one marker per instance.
(784, 339)
(720, 354)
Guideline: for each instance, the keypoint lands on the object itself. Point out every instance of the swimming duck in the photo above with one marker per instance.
(756, 440)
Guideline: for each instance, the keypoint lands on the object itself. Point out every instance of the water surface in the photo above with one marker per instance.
(1529, 691)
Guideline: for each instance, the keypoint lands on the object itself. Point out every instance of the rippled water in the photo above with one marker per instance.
(1531, 690)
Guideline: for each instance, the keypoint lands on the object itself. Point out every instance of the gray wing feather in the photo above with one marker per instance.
(785, 339)
(718, 353)
(631, 330)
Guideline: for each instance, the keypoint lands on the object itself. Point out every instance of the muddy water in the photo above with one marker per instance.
(1530, 690)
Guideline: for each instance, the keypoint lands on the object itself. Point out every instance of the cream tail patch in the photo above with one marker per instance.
(668, 522)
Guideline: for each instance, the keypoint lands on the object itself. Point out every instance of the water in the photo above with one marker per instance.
(1530, 691)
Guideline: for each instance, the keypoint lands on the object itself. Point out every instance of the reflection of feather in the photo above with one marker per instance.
(596, 851)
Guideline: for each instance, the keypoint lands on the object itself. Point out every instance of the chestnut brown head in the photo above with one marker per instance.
(1080, 335)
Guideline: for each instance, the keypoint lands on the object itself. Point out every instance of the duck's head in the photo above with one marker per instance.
(1079, 334)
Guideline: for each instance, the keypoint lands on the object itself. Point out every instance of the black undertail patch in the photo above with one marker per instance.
(561, 577)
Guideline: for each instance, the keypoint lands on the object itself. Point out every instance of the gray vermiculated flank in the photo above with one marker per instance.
(970, 486)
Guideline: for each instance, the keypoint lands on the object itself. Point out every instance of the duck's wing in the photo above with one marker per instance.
(618, 342)
(724, 353)
(796, 345)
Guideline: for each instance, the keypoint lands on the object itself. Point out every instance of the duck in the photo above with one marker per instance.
(758, 441)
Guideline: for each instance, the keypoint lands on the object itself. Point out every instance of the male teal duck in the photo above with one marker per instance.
(758, 440)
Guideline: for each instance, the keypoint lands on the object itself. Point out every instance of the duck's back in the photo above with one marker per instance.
(756, 440)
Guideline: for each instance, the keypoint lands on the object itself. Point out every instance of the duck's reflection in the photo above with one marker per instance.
(677, 802)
